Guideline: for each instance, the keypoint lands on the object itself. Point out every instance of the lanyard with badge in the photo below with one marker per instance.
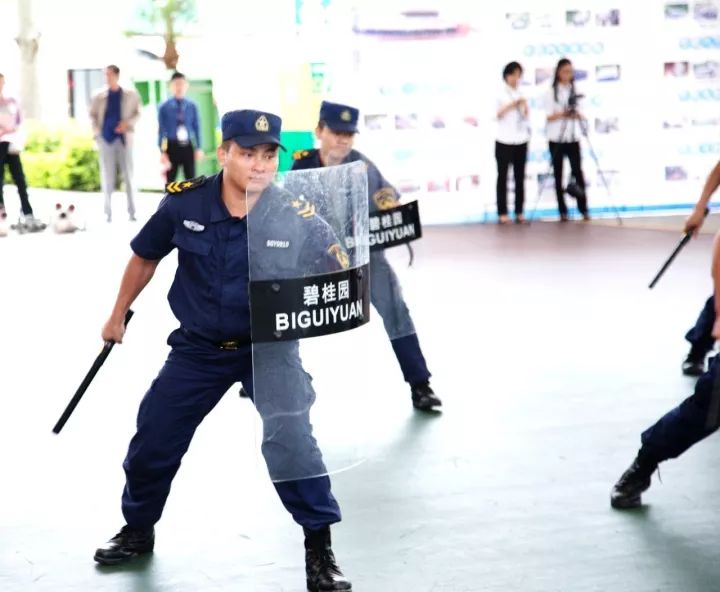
(181, 132)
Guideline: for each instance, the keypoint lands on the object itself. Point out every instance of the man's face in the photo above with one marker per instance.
(178, 87)
(249, 169)
(110, 77)
(336, 145)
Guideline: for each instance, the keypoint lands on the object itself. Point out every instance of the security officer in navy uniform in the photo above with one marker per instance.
(207, 221)
(701, 340)
(700, 336)
(336, 130)
(693, 420)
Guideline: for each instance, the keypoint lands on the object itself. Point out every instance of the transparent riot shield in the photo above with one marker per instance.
(390, 224)
(309, 286)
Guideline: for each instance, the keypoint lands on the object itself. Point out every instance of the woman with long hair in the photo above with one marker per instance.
(513, 133)
(563, 132)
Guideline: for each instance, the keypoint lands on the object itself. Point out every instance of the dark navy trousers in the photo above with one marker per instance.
(386, 296)
(700, 336)
(193, 380)
(685, 425)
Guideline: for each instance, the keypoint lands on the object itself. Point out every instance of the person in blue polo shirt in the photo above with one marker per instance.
(179, 131)
(336, 131)
(207, 221)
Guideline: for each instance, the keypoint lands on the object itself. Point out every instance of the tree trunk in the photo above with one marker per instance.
(28, 42)
(171, 55)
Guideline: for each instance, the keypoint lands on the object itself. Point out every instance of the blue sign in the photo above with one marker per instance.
(564, 49)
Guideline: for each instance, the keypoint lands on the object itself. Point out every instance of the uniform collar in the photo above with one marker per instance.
(351, 157)
(218, 211)
(266, 203)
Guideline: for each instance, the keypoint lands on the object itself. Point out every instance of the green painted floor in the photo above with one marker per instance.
(551, 356)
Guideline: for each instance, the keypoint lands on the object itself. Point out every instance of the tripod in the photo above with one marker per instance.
(573, 116)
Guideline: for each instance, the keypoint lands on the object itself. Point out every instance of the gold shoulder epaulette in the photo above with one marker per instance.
(304, 208)
(385, 198)
(298, 154)
(342, 257)
(180, 186)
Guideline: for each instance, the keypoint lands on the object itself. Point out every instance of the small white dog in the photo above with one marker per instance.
(4, 226)
(62, 220)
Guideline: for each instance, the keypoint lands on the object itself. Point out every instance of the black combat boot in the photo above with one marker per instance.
(128, 543)
(626, 493)
(321, 569)
(423, 397)
(694, 364)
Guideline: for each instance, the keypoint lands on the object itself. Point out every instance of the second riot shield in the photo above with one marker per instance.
(309, 287)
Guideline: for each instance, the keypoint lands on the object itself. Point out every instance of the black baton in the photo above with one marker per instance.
(684, 241)
(99, 361)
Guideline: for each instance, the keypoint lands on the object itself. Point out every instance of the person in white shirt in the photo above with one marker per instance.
(513, 133)
(563, 132)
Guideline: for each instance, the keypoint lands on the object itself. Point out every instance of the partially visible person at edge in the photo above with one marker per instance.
(693, 420)
(700, 335)
(11, 144)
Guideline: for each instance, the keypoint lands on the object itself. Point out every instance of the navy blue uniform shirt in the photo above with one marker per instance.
(381, 192)
(209, 295)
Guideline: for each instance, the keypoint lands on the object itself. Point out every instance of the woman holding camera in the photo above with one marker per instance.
(512, 142)
(563, 132)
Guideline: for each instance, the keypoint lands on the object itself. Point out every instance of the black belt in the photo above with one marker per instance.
(232, 344)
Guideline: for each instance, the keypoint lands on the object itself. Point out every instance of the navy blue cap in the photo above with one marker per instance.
(339, 118)
(250, 128)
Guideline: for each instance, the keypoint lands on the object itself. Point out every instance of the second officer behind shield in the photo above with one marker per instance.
(207, 221)
(336, 131)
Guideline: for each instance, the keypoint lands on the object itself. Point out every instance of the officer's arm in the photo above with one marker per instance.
(138, 274)
(696, 219)
(712, 183)
(151, 244)
(322, 250)
(380, 187)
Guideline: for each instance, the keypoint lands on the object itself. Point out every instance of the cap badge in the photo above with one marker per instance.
(262, 124)
(345, 115)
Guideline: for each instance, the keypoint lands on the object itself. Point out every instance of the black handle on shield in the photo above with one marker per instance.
(97, 364)
(684, 241)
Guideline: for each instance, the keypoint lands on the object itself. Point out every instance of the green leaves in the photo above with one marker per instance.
(60, 157)
(163, 17)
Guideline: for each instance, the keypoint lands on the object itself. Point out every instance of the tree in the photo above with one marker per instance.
(28, 41)
(167, 18)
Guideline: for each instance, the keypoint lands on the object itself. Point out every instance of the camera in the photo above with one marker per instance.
(573, 100)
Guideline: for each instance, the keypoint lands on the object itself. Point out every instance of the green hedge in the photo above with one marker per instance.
(60, 157)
